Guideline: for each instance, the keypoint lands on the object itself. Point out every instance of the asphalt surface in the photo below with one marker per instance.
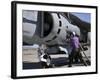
(31, 59)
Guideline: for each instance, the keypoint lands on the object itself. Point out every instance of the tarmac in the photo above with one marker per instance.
(31, 59)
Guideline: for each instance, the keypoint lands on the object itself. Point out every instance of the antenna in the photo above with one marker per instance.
(69, 18)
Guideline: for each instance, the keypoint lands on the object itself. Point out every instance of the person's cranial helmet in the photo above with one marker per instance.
(73, 33)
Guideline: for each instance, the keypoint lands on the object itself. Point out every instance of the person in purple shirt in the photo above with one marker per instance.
(75, 53)
(75, 42)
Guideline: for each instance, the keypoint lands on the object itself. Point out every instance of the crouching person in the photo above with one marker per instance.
(45, 61)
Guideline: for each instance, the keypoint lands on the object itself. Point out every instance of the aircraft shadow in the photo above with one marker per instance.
(56, 62)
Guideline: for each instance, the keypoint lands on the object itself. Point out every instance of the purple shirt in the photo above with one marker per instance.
(75, 42)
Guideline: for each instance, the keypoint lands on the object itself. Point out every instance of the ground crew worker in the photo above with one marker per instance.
(44, 57)
(45, 61)
(75, 53)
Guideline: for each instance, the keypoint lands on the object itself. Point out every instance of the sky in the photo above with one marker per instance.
(83, 16)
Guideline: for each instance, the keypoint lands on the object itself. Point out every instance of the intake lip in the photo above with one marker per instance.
(48, 24)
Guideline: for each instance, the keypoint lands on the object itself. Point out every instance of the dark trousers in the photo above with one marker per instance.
(44, 64)
(75, 54)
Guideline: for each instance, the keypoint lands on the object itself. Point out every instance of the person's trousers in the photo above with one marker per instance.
(75, 54)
